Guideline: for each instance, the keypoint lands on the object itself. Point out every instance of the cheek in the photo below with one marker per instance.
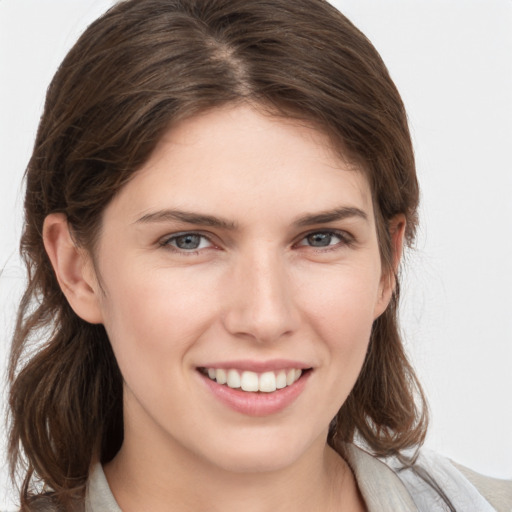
(341, 303)
(155, 315)
(340, 311)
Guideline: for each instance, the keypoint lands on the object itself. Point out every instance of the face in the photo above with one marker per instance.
(240, 277)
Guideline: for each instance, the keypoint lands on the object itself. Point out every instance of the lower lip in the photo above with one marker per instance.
(257, 404)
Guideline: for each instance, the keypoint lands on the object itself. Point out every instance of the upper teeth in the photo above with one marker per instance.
(252, 381)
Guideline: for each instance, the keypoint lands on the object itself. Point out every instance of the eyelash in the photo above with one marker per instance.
(346, 240)
(166, 243)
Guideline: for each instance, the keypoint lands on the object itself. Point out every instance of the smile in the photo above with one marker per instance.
(266, 382)
(256, 389)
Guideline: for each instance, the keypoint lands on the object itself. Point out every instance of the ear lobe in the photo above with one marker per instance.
(388, 281)
(73, 269)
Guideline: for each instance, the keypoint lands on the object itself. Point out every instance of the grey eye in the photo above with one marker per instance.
(189, 241)
(321, 239)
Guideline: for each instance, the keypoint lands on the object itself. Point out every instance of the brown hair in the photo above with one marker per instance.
(144, 65)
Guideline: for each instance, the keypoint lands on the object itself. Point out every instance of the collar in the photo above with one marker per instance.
(381, 488)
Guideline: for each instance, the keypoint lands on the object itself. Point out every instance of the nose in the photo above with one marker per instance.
(261, 301)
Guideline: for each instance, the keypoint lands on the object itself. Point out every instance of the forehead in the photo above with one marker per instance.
(238, 159)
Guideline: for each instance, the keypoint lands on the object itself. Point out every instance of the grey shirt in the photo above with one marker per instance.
(386, 486)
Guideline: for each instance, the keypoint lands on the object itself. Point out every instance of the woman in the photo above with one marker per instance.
(215, 212)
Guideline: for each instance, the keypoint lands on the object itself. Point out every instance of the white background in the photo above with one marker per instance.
(452, 62)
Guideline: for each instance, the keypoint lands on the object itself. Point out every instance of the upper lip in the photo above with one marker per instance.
(258, 366)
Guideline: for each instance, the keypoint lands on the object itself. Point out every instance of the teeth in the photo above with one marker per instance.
(281, 380)
(233, 379)
(249, 381)
(266, 382)
(220, 376)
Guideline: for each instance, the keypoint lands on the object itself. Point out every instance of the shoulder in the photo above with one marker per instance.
(436, 483)
(496, 491)
(431, 482)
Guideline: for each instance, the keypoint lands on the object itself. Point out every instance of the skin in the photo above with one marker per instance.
(255, 289)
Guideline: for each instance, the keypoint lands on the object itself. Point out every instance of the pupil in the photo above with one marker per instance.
(319, 239)
(188, 241)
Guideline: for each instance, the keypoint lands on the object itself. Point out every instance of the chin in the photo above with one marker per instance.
(260, 453)
(256, 462)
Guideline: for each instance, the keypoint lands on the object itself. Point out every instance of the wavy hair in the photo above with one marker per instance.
(142, 66)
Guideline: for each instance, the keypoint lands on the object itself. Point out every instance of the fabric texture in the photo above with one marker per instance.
(99, 497)
(386, 485)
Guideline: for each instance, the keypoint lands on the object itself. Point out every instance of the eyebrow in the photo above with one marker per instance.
(188, 217)
(169, 215)
(331, 216)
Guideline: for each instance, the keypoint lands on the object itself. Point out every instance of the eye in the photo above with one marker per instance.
(187, 242)
(321, 239)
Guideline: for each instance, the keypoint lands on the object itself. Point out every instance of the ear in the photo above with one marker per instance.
(387, 285)
(73, 268)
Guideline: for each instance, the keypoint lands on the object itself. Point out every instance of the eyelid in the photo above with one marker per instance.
(347, 239)
(165, 242)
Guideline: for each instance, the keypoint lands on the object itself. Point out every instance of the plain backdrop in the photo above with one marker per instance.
(452, 62)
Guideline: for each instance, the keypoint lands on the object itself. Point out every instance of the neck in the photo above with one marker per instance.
(320, 480)
(154, 470)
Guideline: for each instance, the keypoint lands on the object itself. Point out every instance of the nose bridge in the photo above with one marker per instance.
(262, 304)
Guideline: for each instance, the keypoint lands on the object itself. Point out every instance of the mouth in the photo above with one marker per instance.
(255, 382)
